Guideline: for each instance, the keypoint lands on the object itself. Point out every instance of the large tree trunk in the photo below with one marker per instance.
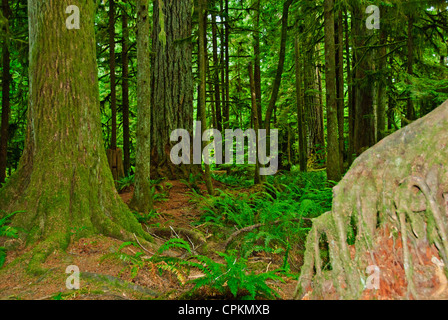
(389, 211)
(6, 80)
(172, 85)
(63, 182)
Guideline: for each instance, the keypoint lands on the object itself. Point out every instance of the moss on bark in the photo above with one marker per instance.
(402, 183)
(63, 183)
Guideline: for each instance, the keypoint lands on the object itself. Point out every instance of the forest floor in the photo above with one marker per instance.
(104, 276)
(111, 271)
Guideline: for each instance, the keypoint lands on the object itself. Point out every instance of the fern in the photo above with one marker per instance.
(233, 276)
(174, 243)
(8, 232)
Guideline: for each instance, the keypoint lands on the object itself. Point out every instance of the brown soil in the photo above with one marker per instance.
(104, 276)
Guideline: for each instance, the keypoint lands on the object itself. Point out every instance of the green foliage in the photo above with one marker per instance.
(174, 243)
(125, 182)
(8, 232)
(233, 276)
(281, 210)
(192, 182)
(138, 261)
(147, 217)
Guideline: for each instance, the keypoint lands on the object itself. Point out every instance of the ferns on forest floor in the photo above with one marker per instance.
(280, 211)
(8, 232)
(231, 277)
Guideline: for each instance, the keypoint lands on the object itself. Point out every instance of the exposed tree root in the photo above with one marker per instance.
(399, 185)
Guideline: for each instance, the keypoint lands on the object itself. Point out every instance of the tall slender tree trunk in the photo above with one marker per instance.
(281, 64)
(313, 111)
(253, 94)
(257, 64)
(333, 165)
(381, 93)
(300, 109)
(216, 65)
(114, 154)
(142, 199)
(203, 82)
(77, 192)
(171, 85)
(339, 42)
(6, 84)
(410, 111)
(125, 93)
(227, 63)
(113, 92)
(351, 105)
(364, 129)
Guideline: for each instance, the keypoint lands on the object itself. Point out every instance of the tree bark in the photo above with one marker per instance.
(64, 131)
(381, 94)
(171, 85)
(113, 91)
(281, 63)
(410, 111)
(351, 104)
(203, 83)
(257, 64)
(339, 43)
(333, 159)
(125, 93)
(300, 109)
(253, 94)
(142, 198)
(216, 65)
(364, 127)
(399, 184)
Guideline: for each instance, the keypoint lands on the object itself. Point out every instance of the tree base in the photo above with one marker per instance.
(400, 185)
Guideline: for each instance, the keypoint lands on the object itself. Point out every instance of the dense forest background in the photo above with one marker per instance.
(384, 79)
(335, 77)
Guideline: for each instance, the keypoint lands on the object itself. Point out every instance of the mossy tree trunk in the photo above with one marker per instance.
(399, 185)
(125, 92)
(63, 182)
(333, 159)
(203, 83)
(142, 199)
(364, 117)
